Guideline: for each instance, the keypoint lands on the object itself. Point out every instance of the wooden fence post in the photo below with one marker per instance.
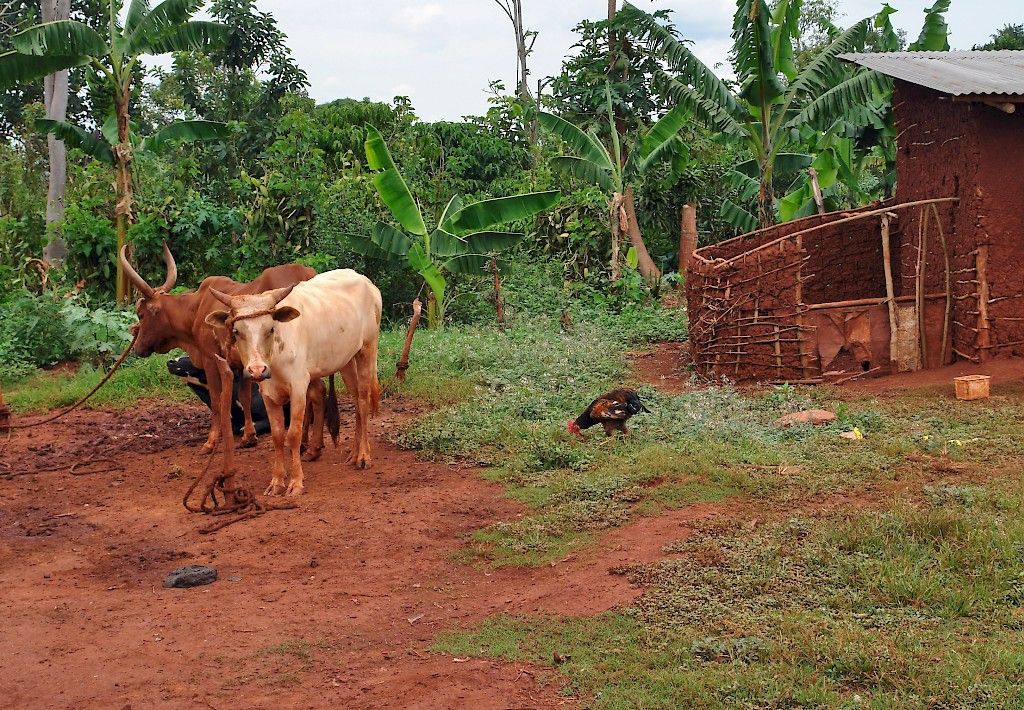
(687, 236)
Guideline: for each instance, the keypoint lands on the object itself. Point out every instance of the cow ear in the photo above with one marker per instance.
(217, 319)
(285, 314)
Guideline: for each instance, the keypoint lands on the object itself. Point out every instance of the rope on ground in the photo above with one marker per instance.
(76, 468)
(83, 400)
(217, 500)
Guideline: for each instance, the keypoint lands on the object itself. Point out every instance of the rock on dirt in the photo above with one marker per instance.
(191, 576)
(817, 417)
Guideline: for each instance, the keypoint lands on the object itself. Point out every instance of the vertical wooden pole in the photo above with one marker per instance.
(984, 329)
(948, 317)
(687, 236)
(800, 307)
(890, 294)
(499, 307)
(922, 263)
(403, 362)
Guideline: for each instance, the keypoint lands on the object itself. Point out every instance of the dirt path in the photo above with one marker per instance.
(333, 604)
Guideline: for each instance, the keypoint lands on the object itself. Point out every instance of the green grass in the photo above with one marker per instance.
(137, 379)
(912, 606)
(504, 399)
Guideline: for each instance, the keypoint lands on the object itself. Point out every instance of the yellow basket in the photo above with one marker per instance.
(972, 386)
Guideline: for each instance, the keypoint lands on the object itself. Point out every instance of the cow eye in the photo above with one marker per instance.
(271, 330)
(234, 332)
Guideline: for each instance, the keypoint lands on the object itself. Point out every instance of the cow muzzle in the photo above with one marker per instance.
(258, 372)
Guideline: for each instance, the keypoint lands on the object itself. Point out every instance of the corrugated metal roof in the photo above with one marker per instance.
(956, 73)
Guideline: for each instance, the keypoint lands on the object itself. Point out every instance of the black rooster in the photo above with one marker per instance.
(611, 410)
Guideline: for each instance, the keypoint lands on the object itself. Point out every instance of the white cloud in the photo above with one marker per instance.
(445, 52)
(418, 15)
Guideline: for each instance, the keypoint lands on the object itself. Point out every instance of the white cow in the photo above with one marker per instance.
(290, 336)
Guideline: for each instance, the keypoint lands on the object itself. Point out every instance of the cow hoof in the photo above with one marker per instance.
(207, 449)
(312, 454)
(248, 442)
(363, 463)
(295, 489)
(274, 489)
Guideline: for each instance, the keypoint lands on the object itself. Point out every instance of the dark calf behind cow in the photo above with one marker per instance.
(169, 321)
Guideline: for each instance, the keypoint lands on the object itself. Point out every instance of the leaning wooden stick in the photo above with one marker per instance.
(403, 363)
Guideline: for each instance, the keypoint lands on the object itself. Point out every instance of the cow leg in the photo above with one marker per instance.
(368, 398)
(275, 414)
(313, 432)
(245, 399)
(350, 376)
(213, 384)
(294, 439)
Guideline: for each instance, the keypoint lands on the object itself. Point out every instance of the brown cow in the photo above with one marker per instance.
(169, 321)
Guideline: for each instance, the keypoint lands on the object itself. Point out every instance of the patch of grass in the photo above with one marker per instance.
(136, 380)
(912, 606)
(510, 394)
(293, 657)
(295, 648)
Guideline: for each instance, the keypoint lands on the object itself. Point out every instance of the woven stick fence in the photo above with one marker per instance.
(746, 296)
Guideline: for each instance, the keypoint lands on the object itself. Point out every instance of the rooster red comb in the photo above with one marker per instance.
(572, 426)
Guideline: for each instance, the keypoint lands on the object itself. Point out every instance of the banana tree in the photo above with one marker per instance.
(593, 163)
(464, 241)
(775, 97)
(64, 44)
(861, 144)
(102, 145)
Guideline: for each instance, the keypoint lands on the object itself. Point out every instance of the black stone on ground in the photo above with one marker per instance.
(191, 576)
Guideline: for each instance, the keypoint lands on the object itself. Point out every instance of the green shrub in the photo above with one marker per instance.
(40, 331)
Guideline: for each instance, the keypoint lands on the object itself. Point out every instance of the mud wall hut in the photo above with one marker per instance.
(928, 277)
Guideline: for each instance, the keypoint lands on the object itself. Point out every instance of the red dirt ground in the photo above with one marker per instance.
(1004, 371)
(664, 366)
(334, 604)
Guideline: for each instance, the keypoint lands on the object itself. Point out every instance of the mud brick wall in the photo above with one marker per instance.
(938, 154)
(752, 240)
(999, 222)
(845, 262)
(973, 151)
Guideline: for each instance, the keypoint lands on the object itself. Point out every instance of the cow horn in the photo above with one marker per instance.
(221, 296)
(172, 270)
(280, 294)
(133, 275)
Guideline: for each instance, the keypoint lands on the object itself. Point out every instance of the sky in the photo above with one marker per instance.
(444, 53)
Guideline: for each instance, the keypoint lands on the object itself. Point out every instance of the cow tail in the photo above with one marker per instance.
(331, 416)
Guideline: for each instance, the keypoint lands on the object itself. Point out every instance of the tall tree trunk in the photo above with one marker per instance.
(619, 224)
(687, 236)
(765, 199)
(522, 50)
(125, 193)
(645, 264)
(514, 10)
(55, 98)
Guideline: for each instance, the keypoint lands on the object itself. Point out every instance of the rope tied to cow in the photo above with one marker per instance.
(106, 378)
(229, 324)
(9, 428)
